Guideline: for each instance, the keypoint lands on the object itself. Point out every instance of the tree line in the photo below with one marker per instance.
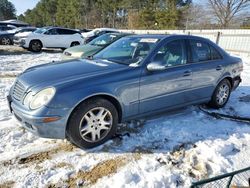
(153, 14)
(136, 14)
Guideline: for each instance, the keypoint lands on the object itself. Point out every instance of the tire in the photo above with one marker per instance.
(221, 94)
(35, 46)
(83, 128)
(6, 41)
(74, 44)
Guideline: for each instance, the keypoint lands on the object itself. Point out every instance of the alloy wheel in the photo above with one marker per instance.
(36, 46)
(222, 94)
(95, 124)
(5, 41)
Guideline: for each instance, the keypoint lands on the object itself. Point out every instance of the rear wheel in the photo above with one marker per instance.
(221, 94)
(92, 123)
(35, 46)
(6, 41)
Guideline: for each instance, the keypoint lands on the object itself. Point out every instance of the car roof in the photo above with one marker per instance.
(53, 27)
(118, 34)
(105, 29)
(164, 36)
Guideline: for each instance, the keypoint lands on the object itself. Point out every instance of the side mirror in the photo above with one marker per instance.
(155, 66)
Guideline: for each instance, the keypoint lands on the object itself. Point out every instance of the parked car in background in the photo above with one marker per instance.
(6, 28)
(93, 47)
(18, 37)
(85, 30)
(136, 76)
(89, 36)
(7, 37)
(51, 37)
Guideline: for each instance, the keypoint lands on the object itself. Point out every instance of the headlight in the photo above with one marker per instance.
(40, 99)
(67, 53)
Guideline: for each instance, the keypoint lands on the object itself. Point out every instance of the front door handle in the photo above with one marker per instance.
(219, 67)
(187, 73)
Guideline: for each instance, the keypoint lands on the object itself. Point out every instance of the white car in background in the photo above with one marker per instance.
(51, 37)
(22, 34)
(89, 36)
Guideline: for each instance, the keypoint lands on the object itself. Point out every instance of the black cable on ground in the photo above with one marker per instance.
(225, 116)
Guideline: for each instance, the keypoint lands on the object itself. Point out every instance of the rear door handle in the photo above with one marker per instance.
(219, 67)
(187, 73)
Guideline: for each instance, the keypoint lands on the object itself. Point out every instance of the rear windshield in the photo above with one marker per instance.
(103, 40)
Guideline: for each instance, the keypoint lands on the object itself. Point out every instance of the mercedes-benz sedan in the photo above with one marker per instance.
(136, 76)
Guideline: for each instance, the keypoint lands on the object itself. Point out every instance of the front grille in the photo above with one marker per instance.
(18, 90)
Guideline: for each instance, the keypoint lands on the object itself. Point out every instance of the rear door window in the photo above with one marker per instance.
(200, 51)
(52, 32)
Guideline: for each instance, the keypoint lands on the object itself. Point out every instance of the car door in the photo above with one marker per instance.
(170, 87)
(207, 68)
(66, 38)
(51, 38)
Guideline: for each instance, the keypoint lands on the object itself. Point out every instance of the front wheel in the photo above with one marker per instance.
(35, 46)
(221, 94)
(92, 123)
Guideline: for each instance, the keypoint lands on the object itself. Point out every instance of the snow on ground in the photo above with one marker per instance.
(171, 150)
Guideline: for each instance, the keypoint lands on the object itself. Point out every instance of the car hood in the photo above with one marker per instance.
(83, 51)
(88, 34)
(65, 71)
(35, 34)
(23, 34)
(83, 48)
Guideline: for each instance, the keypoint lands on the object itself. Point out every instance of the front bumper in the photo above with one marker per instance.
(19, 42)
(35, 122)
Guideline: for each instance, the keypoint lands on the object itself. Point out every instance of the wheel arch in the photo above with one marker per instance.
(36, 40)
(74, 42)
(108, 97)
(227, 77)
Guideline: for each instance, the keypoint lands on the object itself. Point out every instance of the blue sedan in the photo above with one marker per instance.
(84, 100)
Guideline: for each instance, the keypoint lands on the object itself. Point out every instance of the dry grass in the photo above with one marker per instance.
(8, 184)
(41, 156)
(102, 169)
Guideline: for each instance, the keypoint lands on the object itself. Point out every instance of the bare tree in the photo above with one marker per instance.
(195, 16)
(226, 10)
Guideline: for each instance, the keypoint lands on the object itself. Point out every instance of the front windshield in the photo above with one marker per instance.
(103, 40)
(127, 50)
(41, 30)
